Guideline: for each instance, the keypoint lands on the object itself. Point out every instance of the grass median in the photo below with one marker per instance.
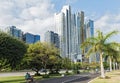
(13, 79)
(112, 77)
(21, 79)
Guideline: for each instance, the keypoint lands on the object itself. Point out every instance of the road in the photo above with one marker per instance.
(85, 78)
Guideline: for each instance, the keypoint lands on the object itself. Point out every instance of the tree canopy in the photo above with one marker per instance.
(11, 49)
(42, 55)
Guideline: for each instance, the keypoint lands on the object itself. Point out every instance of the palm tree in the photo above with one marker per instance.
(97, 45)
(112, 53)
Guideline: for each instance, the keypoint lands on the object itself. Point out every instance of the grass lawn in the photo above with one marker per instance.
(114, 78)
(21, 79)
(15, 79)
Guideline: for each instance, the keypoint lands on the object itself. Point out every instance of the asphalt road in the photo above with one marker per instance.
(85, 78)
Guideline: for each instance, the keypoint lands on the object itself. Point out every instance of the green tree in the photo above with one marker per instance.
(33, 57)
(54, 63)
(98, 45)
(94, 65)
(4, 66)
(41, 55)
(66, 64)
(11, 49)
(50, 54)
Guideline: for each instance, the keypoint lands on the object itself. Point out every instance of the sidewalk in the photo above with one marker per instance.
(7, 74)
(113, 77)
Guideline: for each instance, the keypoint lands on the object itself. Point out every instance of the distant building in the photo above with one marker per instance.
(36, 38)
(13, 31)
(31, 38)
(80, 31)
(52, 38)
(90, 33)
(90, 28)
(56, 40)
(17, 33)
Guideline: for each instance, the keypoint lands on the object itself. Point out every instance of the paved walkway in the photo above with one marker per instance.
(15, 74)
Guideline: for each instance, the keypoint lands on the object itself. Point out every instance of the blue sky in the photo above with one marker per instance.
(87, 5)
(98, 7)
(37, 16)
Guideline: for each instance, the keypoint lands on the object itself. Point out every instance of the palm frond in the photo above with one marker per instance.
(110, 35)
(90, 51)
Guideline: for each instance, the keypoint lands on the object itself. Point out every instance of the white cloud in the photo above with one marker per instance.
(35, 16)
(107, 23)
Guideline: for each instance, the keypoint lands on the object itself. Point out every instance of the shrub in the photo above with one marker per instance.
(45, 76)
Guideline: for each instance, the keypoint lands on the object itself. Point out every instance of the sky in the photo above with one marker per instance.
(37, 16)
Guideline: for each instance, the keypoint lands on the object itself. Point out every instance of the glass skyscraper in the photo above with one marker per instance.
(31, 38)
(52, 38)
(90, 33)
(60, 30)
(63, 28)
(15, 32)
(36, 38)
(72, 31)
(80, 34)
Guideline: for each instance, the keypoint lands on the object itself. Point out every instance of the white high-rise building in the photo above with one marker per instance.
(73, 37)
(63, 25)
(60, 29)
(72, 32)
(67, 12)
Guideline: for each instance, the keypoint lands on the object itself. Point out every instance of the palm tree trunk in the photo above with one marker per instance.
(119, 66)
(110, 63)
(102, 67)
(114, 66)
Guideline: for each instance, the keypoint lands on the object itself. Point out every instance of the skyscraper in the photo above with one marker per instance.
(56, 40)
(36, 38)
(72, 32)
(52, 38)
(67, 36)
(70, 27)
(15, 32)
(31, 38)
(90, 28)
(90, 33)
(63, 25)
(73, 37)
(80, 34)
(60, 30)
(49, 37)
(28, 38)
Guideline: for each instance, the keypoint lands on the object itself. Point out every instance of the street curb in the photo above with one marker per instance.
(92, 80)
